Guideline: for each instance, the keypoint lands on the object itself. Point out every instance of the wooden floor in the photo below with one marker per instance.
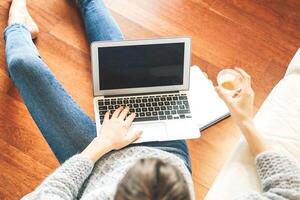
(259, 35)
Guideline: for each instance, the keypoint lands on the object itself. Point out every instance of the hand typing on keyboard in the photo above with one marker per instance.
(114, 134)
(115, 128)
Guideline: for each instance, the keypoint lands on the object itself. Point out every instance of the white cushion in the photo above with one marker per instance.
(279, 120)
(238, 176)
(294, 66)
(279, 116)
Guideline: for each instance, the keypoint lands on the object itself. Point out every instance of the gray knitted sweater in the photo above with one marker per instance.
(79, 178)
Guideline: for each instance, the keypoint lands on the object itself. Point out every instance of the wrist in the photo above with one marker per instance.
(253, 137)
(246, 122)
(242, 124)
(102, 144)
(96, 149)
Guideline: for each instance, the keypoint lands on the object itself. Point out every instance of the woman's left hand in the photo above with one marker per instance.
(113, 135)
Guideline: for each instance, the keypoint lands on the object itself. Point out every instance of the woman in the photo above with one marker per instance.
(107, 168)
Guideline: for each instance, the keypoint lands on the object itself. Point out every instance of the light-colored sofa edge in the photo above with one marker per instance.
(238, 174)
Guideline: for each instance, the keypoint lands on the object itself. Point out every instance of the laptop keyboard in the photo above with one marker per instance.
(149, 108)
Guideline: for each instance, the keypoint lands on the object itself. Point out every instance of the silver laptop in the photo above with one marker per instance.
(151, 77)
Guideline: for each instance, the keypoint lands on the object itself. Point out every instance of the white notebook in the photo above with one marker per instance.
(206, 106)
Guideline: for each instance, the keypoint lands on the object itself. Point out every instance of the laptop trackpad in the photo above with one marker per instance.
(151, 131)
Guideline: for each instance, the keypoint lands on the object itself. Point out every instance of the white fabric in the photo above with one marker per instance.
(279, 119)
(294, 66)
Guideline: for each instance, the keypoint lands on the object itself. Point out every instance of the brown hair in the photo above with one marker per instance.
(152, 179)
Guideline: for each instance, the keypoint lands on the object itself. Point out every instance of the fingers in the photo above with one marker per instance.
(237, 93)
(129, 120)
(106, 116)
(124, 113)
(117, 112)
(246, 77)
(224, 97)
(133, 136)
(244, 74)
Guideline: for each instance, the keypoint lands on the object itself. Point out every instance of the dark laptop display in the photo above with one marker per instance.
(141, 66)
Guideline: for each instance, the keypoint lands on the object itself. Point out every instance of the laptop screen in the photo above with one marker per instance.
(141, 66)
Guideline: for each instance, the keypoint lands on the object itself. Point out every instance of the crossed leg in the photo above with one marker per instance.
(65, 126)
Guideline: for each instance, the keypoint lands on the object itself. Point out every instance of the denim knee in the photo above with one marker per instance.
(22, 64)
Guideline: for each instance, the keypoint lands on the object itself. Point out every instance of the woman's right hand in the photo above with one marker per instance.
(115, 129)
(114, 134)
(242, 103)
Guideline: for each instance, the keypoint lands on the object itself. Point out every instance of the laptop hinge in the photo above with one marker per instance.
(139, 94)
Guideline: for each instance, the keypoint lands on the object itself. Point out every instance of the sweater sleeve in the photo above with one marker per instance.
(279, 176)
(64, 182)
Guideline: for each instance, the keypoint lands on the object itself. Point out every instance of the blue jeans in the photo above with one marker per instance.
(65, 126)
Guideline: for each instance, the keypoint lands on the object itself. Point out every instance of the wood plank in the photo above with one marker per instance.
(19, 130)
(259, 35)
(200, 190)
(20, 174)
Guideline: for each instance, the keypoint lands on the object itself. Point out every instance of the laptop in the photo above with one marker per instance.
(151, 77)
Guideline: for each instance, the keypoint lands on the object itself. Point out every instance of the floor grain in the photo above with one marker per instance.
(259, 35)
